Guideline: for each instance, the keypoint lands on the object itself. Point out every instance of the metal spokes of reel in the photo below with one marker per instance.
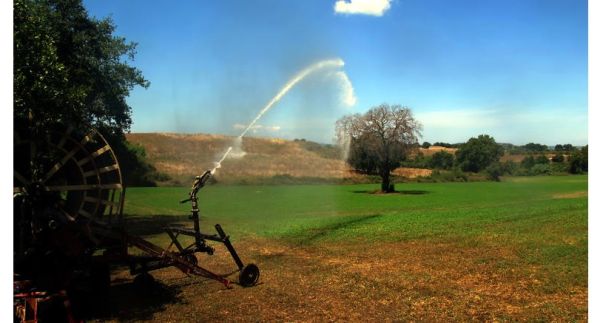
(73, 171)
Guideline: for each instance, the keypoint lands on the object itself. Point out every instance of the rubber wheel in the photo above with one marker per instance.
(249, 275)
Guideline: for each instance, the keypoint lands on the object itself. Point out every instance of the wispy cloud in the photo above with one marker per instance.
(459, 119)
(362, 7)
(515, 126)
(257, 128)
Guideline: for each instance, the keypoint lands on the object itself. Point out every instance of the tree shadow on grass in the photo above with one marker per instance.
(401, 192)
(312, 234)
(154, 224)
(128, 302)
(411, 192)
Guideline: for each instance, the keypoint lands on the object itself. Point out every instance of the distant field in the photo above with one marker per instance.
(514, 250)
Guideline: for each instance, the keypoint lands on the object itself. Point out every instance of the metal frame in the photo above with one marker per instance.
(184, 257)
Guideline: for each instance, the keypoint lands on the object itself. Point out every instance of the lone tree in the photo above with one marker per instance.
(379, 140)
(478, 153)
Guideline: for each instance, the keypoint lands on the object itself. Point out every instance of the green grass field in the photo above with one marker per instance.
(516, 249)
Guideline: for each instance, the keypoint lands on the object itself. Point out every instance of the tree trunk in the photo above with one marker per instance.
(385, 182)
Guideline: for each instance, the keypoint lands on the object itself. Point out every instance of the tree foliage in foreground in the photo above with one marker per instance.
(69, 68)
(478, 153)
(379, 140)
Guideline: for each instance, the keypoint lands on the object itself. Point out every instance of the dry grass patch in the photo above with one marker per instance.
(573, 195)
(406, 281)
(412, 172)
(434, 149)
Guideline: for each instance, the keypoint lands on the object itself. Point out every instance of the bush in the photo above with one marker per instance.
(509, 167)
(578, 162)
(558, 158)
(442, 160)
(135, 167)
(455, 175)
(542, 159)
(558, 168)
(528, 162)
(494, 171)
(420, 161)
(540, 169)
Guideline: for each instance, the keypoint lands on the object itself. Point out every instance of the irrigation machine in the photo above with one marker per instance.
(69, 230)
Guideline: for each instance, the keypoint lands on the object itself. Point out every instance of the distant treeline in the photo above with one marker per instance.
(535, 159)
(537, 148)
(514, 149)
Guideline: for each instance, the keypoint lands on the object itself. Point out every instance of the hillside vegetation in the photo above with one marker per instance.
(181, 157)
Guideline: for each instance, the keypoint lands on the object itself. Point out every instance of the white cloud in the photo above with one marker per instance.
(363, 7)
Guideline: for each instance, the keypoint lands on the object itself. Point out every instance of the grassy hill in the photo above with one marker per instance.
(183, 156)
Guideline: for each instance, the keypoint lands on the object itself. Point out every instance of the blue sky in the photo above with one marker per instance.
(516, 70)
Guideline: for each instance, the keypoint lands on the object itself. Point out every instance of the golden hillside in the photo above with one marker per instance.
(182, 156)
(434, 149)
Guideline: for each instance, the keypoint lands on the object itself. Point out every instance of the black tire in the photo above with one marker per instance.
(249, 275)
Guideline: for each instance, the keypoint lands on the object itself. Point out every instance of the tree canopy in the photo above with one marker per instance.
(565, 147)
(478, 153)
(70, 68)
(442, 160)
(534, 147)
(379, 139)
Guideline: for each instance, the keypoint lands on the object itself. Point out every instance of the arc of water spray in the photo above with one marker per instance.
(288, 86)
